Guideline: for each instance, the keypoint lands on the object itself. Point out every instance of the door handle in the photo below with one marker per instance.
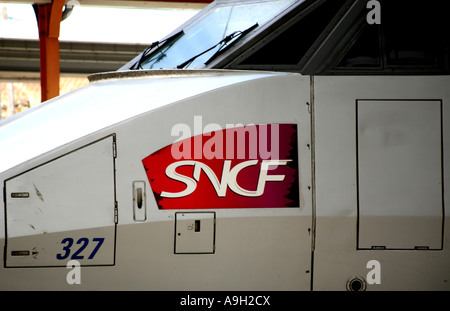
(139, 206)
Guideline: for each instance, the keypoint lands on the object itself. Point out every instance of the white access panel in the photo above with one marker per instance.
(400, 196)
(63, 210)
(195, 233)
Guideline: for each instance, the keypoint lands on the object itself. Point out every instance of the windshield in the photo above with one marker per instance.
(211, 29)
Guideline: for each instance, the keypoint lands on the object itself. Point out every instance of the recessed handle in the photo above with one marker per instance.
(139, 208)
(197, 226)
(139, 197)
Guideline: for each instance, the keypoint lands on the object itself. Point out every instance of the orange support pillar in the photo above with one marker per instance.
(49, 19)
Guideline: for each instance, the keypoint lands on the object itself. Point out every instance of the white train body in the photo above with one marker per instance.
(367, 188)
(299, 147)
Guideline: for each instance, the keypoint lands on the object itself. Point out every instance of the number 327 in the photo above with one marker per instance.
(78, 250)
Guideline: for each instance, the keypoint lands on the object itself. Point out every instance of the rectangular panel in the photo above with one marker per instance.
(399, 174)
(194, 233)
(68, 212)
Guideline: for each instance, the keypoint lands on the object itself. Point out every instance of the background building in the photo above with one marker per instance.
(96, 36)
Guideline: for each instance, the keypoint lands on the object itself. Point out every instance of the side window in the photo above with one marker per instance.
(413, 34)
(365, 52)
(290, 46)
(410, 39)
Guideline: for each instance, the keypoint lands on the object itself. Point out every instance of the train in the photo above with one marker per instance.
(282, 145)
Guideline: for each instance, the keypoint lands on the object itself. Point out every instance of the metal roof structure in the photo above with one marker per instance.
(21, 59)
(125, 3)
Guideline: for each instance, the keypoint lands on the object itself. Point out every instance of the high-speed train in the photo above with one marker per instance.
(263, 145)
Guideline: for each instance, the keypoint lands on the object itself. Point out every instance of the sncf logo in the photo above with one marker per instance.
(229, 177)
(253, 166)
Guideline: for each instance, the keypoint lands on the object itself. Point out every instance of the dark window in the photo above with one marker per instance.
(365, 52)
(413, 37)
(290, 46)
(414, 32)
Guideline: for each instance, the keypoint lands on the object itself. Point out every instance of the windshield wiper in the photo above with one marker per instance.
(223, 45)
(157, 44)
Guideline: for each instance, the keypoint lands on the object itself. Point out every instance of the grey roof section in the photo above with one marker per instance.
(75, 57)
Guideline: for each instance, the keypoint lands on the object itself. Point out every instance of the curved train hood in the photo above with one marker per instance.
(110, 98)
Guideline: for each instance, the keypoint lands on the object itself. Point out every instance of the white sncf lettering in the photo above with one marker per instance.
(229, 177)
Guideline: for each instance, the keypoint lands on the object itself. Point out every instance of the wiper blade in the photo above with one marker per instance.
(223, 45)
(150, 49)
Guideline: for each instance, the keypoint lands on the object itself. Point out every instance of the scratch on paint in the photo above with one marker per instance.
(38, 193)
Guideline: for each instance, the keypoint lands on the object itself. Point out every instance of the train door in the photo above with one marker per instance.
(63, 209)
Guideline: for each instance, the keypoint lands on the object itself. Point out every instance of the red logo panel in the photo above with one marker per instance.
(253, 166)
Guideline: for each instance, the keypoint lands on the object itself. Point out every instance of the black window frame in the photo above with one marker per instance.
(325, 54)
